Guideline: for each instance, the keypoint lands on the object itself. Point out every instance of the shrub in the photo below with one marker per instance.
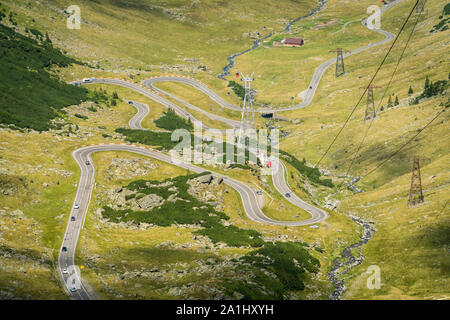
(313, 174)
(237, 89)
(446, 10)
(152, 138)
(431, 89)
(288, 261)
(171, 121)
(81, 116)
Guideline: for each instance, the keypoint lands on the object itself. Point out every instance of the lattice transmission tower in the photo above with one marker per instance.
(248, 114)
(420, 8)
(340, 68)
(370, 105)
(415, 193)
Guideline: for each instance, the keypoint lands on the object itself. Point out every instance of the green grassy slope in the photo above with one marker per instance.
(29, 96)
(138, 34)
(409, 243)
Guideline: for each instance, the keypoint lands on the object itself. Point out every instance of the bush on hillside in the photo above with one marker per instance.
(313, 174)
(431, 89)
(171, 121)
(237, 89)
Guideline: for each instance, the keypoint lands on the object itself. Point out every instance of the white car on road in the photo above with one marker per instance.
(76, 206)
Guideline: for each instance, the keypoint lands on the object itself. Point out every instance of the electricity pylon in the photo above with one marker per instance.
(248, 115)
(370, 106)
(415, 193)
(247, 129)
(340, 69)
(420, 8)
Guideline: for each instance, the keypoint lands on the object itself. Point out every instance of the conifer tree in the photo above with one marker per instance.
(389, 105)
(427, 83)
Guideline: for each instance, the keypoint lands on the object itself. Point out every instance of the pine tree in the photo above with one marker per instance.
(389, 105)
(428, 91)
(396, 103)
(47, 38)
(410, 91)
(427, 83)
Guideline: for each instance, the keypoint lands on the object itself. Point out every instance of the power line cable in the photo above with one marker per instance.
(398, 150)
(365, 90)
(384, 94)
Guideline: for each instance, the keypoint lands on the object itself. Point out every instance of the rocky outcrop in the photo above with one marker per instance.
(120, 168)
(148, 202)
(207, 189)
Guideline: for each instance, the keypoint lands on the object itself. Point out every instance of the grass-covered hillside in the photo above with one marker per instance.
(142, 33)
(208, 249)
(29, 95)
(210, 257)
(408, 243)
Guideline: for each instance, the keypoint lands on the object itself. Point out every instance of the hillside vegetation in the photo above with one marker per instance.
(195, 35)
(249, 259)
(408, 244)
(171, 121)
(275, 269)
(29, 96)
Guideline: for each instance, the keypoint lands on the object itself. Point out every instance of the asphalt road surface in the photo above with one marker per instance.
(157, 98)
(142, 111)
(71, 277)
(86, 184)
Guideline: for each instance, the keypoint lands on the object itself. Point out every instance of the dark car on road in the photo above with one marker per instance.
(64, 249)
(73, 218)
(288, 195)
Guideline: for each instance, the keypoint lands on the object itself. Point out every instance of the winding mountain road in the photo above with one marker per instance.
(71, 276)
(157, 98)
(142, 111)
(309, 93)
(248, 195)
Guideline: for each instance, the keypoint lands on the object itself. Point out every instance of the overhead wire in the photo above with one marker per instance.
(370, 83)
